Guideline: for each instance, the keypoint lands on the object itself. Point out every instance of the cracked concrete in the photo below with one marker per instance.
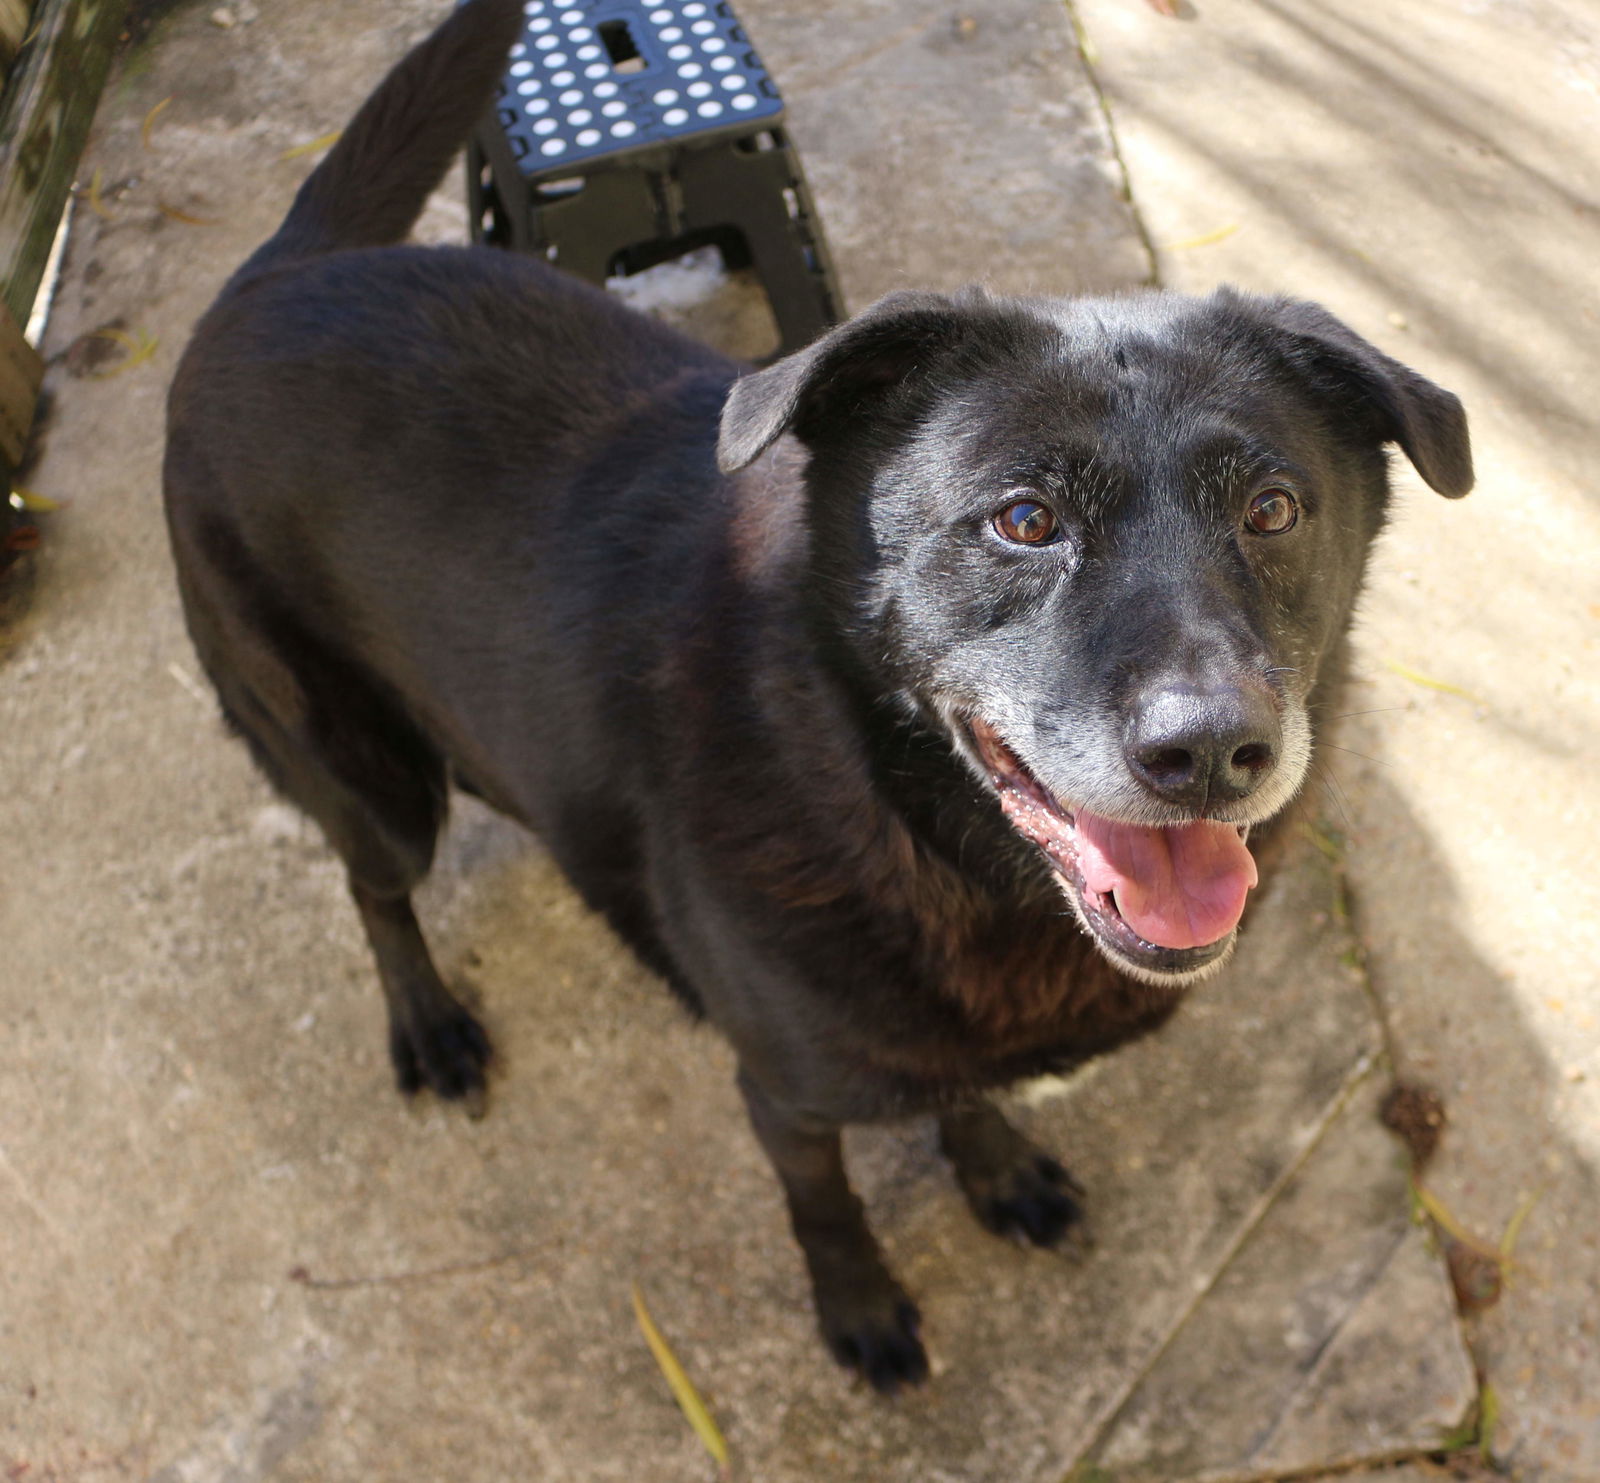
(231, 1253)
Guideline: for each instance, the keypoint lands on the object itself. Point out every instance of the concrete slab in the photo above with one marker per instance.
(1362, 1356)
(952, 145)
(234, 1254)
(1456, 1467)
(1431, 176)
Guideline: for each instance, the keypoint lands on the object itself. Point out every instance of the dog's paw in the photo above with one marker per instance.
(447, 1053)
(1035, 1200)
(877, 1337)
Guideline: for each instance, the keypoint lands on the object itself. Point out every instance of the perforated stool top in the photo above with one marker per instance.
(591, 78)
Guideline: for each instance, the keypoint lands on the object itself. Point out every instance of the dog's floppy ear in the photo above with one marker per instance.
(1425, 420)
(871, 352)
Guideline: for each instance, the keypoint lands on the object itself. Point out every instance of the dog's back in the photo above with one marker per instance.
(359, 428)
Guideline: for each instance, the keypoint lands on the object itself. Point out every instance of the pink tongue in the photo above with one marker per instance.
(1183, 886)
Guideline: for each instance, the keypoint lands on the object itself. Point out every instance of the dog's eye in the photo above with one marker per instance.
(1272, 512)
(1026, 523)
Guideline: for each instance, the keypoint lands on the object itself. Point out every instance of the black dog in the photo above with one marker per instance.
(911, 730)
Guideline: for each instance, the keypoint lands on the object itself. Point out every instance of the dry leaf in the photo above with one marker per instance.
(1418, 678)
(96, 205)
(150, 119)
(1478, 1280)
(139, 351)
(323, 141)
(1415, 1114)
(185, 217)
(1204, 240)
(1440, 1214)
(683, 1391)
(1508, 1242)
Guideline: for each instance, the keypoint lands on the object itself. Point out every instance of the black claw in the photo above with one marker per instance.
(1034, 1203)
(844, 1348)
(886, 1375)
(885, 1351)
(1041, 1224)
(477, 1039)
(407, 1071)
(894, 1361)
(1038, 1218)
(1059, 1174)
(447, 1056)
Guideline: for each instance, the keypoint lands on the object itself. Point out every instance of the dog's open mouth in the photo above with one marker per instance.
(1164, 900)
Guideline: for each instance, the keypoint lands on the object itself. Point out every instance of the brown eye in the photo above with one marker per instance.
(1272, 512)
(1026, 523)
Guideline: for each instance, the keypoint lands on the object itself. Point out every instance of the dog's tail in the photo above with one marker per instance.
(372, 186)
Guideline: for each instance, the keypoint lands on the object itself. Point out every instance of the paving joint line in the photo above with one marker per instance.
(1336, 1107)
(1087, 54)
(1350, 899)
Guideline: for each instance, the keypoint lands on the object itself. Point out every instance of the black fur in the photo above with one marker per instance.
(448, 516)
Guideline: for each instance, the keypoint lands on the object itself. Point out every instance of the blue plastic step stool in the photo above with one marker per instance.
(628, 133)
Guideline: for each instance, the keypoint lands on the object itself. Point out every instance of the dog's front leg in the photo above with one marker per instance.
(1013, 1186)
(867, 1320)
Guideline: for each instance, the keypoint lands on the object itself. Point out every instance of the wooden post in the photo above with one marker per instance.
(49, 102)
(45, 114)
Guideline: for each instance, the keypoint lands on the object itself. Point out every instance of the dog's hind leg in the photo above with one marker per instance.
(379, 794)
(1012, 1185)
(334, 743)
(867, 1320)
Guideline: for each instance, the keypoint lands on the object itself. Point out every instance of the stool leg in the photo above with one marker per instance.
(497, 195)
(486, 215)
(614, 210)
(729, 186)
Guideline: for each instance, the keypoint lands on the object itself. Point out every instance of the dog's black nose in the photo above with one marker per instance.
(1202, 748)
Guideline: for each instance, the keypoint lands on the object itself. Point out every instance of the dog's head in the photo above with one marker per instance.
(1106, 547)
